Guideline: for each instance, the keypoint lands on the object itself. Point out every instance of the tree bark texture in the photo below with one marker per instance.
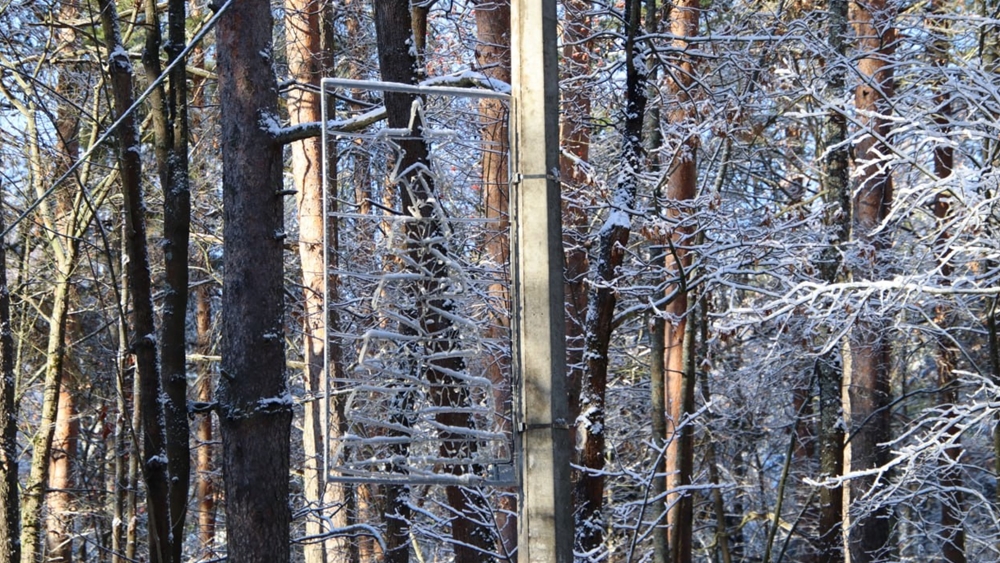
(205, 466)
(59, 527)
(829, 372)
(682, 185)
(143, 339)
(306, 66)
(176, 229)
(603, 298)
(10, 529)
(64, 250)
(255, 408)
(870, 392)
(950, 476)
(575, 132)
(493, 59)
(169, 113)
(62, 457)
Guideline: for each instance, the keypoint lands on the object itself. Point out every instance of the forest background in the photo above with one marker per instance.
(781, 264)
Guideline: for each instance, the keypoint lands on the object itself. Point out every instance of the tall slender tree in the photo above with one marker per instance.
(143, 339)
(430, 321)
(952, 501)
(829, 372)
(681, 187)
(306, 65)
(493, 60)
(10, 541)
(170, 127)
(870, 347)
(613, 241)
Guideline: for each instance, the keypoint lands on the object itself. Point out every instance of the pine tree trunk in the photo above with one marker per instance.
(870, 393)
(307, 60)
(59, 528)
(255, 408)
(493, 57)
(33, 495)
(679, 400)
(575, 132)
(431, 318)
(59, 525)
(950, 476)
(205, 466)
(170, 128)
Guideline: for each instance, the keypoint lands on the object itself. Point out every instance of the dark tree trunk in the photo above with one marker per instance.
(176, 228)
(143, 339)
(575, 140)
(169, 112)
(10, 526)
(603, 298)
(952, 501)
(829, 371)
(255, 408)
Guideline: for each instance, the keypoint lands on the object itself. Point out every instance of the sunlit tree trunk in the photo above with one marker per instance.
(64, 250)
(255, 408)
(493, 59)
(681, 187)
(870, 347)
(59, 525)
(306, 64)
(205, 466)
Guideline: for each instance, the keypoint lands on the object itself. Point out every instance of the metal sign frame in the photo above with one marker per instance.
(500, 478)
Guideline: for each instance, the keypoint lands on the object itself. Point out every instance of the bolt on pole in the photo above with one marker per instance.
(545, 510)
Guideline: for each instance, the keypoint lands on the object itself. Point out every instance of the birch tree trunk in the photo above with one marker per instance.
(829, 372)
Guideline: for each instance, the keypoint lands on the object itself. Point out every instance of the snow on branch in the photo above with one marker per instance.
(285, 135)
(466, 79)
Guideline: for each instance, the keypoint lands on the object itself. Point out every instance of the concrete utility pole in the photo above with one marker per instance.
(546, 511)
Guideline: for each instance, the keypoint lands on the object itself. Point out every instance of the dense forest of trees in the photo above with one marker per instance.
(781, 234)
